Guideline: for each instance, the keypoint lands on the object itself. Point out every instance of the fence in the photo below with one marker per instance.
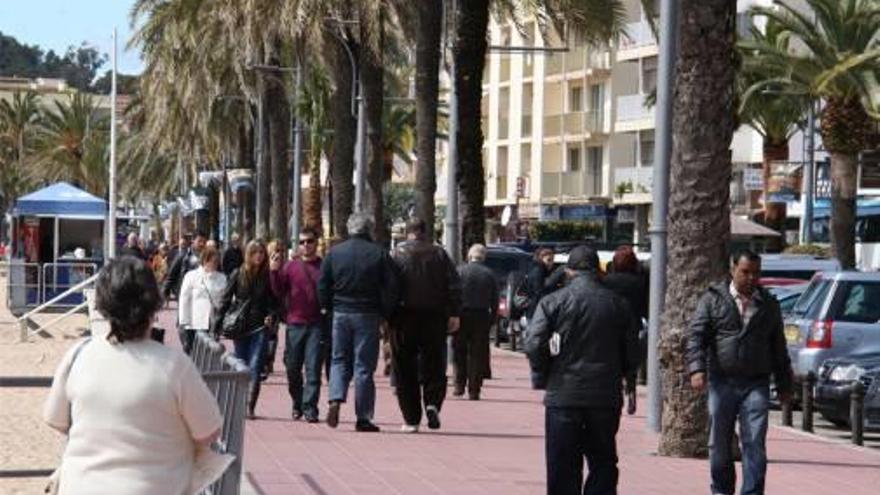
(228, 378)
(24, 286)
(59, 277)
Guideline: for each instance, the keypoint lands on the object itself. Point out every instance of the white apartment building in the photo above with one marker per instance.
(572, 128)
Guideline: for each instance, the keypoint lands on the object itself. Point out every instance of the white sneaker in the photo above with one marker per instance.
(409, 428)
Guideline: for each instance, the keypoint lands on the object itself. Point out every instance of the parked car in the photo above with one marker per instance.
(834, 387)
(795, 266)
(787, 295)
(837, 315)
(510, 266)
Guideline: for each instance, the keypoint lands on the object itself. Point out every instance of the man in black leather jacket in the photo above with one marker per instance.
(581, 343)
(737, 338)
(429, 309)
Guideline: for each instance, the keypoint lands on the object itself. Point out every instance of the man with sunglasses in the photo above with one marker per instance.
(296, 282)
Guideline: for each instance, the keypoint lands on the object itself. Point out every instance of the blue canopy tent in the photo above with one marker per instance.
(58, 233)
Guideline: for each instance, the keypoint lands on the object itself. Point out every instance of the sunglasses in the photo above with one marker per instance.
(307, 241)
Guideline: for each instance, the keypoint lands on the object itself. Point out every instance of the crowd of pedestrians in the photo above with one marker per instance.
(585, 341)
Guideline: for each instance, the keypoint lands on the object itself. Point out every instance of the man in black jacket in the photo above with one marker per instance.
(186, 261)
(359, 286)
(581, 343)
(429, 309)
(737, 339)
(232, 256)
(479, 305)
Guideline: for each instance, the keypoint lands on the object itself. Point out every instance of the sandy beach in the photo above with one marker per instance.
(25, 442)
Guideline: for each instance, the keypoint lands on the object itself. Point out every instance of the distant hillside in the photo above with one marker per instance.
(79, 66)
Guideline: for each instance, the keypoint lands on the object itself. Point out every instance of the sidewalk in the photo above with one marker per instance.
(496, 446)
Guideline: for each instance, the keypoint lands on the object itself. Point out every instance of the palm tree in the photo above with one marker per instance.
(18, 121)
(313, 107)
(699, 218)
(775, 115)
(72, 144)
(398, 137)
(836, 61)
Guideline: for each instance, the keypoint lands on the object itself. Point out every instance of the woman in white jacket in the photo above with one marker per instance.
(200, 294)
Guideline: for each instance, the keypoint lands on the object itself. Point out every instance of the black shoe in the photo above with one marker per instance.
(333, 414)
(366, 426)
(312, 419)
(474, 396)
(458, 392)
(297, 414)
(433, 416)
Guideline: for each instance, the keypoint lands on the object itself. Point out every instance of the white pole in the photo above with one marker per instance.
(451, 232)
(111, 214)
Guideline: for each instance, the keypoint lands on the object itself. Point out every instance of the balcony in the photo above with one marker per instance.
(564, 184)
(574, 124)
(632, 114)
(633, 184)
(638, 42)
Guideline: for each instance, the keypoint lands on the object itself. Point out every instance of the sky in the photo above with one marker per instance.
(57, 24)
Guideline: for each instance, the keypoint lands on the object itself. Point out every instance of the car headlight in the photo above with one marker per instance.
(846, 373)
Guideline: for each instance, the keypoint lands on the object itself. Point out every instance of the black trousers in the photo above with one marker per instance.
(471, 350)
(573, 434)
(418, 350)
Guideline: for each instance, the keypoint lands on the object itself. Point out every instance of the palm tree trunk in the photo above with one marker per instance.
(844, 187)
(312, 203)
(774, 213)
(469, 53)
(263, 190)
(430, 14)
(699, 210)
(845, 128)
(372, 40)
(344, 129)
(279, 145)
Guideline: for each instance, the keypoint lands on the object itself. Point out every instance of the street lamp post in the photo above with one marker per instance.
(111, 213)
(660, 193)
(806, 231)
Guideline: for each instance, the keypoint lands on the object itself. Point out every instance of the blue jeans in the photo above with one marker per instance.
(573, 434)
(355, 350)
(250, 350)
(748, 400)
(303, 347)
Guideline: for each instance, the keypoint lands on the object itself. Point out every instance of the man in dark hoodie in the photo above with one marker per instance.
(581, 343)
(429, 310)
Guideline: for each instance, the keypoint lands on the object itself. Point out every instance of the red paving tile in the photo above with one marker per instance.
(495, 446)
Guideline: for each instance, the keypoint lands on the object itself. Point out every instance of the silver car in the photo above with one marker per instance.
(838, 315)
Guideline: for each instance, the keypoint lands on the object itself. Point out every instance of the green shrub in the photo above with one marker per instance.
(811, 249)
(565, 230)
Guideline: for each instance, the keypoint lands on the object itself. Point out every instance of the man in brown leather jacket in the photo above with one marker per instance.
(430, 305)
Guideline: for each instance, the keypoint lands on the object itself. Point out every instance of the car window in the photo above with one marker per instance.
(810, 303)
(786, 302)
(860, 303)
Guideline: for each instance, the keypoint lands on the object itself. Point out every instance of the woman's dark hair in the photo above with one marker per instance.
(625, 260)
(127, 294)
(541, 252)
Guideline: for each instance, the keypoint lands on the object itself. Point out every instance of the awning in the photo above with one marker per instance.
(741, 227)
(61, 200)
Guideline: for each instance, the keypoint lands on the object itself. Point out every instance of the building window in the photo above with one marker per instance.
(525, 159)
(649, 75)
(575, 98)
(501, 173)
(646, 148)
(529, 34)
(574, 159)
(505, 36)
(594, 161)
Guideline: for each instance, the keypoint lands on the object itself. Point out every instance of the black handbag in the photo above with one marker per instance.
(234, 322)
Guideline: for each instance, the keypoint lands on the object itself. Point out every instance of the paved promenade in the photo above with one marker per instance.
(495, 446)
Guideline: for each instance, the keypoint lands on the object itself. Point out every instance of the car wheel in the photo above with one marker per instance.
(838, 422)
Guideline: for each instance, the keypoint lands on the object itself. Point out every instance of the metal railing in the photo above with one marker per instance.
(228, 379)
(59, 277)
(26, 322)
(24, 286)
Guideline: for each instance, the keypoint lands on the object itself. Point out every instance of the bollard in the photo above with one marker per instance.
(514, 330)
(807, 418)
(856, 412)
(787, 413)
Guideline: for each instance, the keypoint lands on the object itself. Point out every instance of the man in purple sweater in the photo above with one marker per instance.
(296, 283)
